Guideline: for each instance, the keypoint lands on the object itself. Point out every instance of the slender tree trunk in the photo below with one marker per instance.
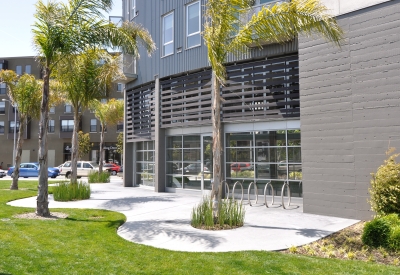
(75, 147)
(17, 161)
(217, 137)
(42, 200)
(101, 148)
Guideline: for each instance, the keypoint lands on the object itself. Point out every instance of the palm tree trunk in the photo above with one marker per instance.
(101, 148)
(217, 138)
(42, 200)
(17, 161)
(75, 146)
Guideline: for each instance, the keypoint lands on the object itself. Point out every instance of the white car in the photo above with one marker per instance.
(83, 168)
(3, 173)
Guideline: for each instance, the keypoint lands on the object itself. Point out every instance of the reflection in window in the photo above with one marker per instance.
(1, 127)
(67, 125)
(168, 34)
(193, 25)
(145, 163)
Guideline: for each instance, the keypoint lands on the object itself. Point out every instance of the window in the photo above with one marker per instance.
(18, 70)
(168, 34)
(120, 87)
(28, 69)
(12, 125)
(68, 108)
(2, 108)
(103, 100)
(1, 127)
(193, 25)
(51, 126)
(67, 125)
(52, 110)
(3, 88)
(93, 125)
(120, 127)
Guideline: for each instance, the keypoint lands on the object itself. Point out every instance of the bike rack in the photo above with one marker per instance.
(225, 184)
(255, 192)
(265, 194)
(286, 184)
(233, 191)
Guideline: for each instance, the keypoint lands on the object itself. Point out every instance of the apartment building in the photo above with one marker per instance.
(305, 112)
(60, 124)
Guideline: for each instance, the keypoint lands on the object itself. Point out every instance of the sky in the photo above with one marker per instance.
(17, 20)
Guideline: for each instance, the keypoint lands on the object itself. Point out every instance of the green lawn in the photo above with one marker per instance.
(86, 243)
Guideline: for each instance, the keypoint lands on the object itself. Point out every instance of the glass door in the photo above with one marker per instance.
(207, 157)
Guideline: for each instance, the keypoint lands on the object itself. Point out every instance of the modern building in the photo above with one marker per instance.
(304, 112)
(60, 124)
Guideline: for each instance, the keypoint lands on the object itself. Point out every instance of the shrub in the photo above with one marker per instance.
(385, 186)
(71, 191)
(96, 177)
(230, 214)
(394, 239)
(376, 233)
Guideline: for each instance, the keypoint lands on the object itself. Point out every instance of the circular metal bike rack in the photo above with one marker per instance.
(255, 192)
(233, 191)
(225, 184)
(286, 184)
(265, 193)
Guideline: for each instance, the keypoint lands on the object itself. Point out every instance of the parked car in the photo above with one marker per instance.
(2, 173)
(240, 166)
(31, 169)
(83, 168)
(112, 168)
(120, 171)
(193, 169)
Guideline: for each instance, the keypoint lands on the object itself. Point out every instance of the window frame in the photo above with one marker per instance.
(11, 128)
(3, 128)
(2, 108)
(68, 126)
(172, 13)
(18, 68)
(51, 127)
(93, 125)
(3, 88)
(28, 71)
(65, 108)
(187, 25)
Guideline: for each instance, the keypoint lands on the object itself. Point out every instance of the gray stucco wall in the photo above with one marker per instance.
(350, 110)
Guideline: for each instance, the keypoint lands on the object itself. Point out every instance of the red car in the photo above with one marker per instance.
(112, 168)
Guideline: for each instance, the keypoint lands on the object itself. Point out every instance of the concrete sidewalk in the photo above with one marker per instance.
(163, 220)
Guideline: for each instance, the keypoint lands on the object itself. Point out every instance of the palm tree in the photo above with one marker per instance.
(87, 77)
(225, 33)
(24, 92)
(109, 113)
(61, 30)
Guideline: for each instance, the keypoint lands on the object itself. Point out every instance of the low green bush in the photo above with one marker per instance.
(95, 177)
(385, 186)
(230, 215)
(65, 191)
(376, 233)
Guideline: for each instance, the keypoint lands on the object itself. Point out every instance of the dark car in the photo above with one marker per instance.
(193, 169)
(31, 169)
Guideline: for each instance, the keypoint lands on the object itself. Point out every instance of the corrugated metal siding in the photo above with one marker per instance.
(149, 15)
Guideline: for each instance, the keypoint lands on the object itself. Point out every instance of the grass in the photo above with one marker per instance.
(231, 215)
(95, 177)
(87, 243)
(71, 191)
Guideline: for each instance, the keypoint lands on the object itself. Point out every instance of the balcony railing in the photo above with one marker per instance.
(128, 68)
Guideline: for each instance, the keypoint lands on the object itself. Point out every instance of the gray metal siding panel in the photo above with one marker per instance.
(149, 16)
(349, 110)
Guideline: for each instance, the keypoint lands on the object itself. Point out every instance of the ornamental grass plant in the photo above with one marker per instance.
(65, 191)
(230, 215)
(96, 177)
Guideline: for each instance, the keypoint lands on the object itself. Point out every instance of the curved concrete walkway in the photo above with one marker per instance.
(163, 220)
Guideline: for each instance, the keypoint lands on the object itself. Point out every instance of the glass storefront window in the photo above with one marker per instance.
(145, 163)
